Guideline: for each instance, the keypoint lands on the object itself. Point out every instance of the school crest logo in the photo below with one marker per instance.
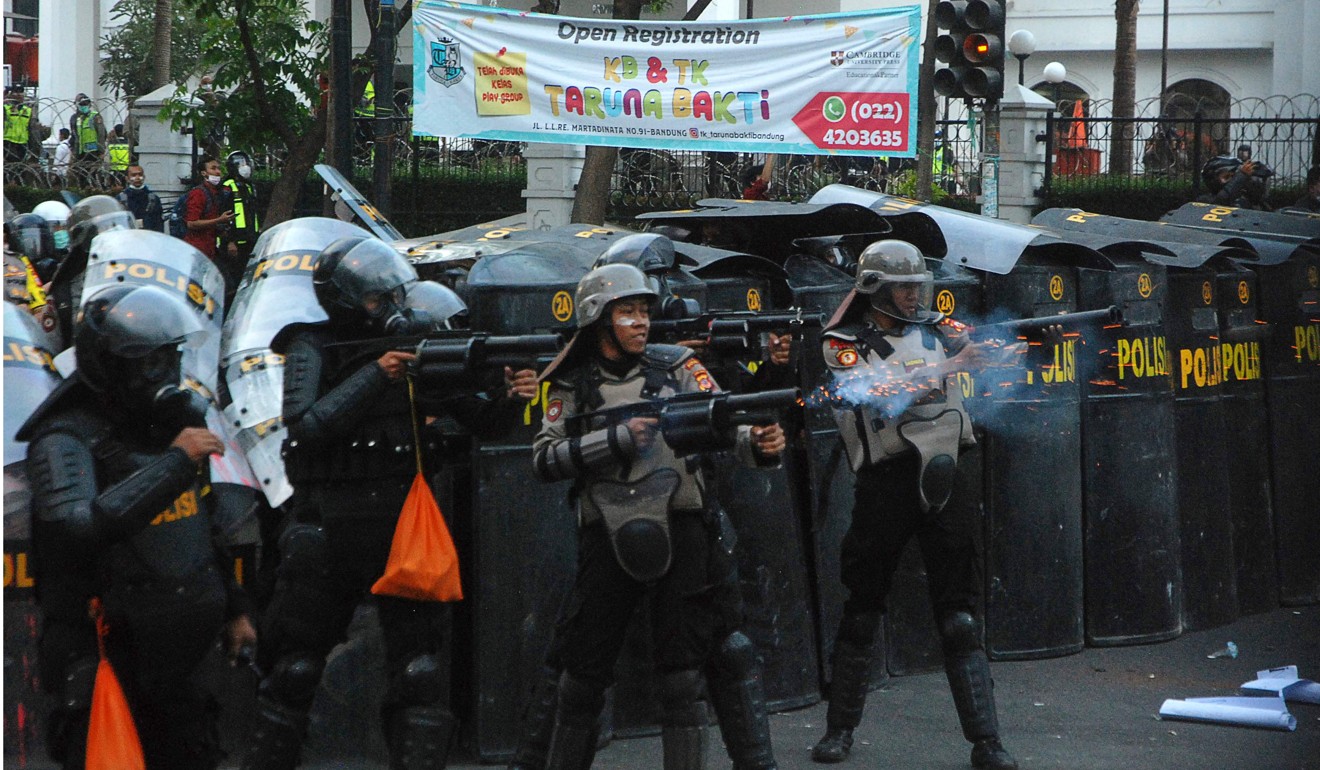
(836, 58)
(445, 68)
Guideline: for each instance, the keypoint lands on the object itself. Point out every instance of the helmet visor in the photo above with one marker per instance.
(143, 320)
(907, 300)
(372, 270)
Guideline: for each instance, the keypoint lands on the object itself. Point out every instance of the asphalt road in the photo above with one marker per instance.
(1096, 710)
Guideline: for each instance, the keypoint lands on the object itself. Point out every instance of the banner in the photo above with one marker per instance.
(840, 83)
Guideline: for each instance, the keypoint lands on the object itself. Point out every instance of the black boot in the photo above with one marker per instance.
(276, 739)
(577, 725)
(848, 686)
(974, 698)
(538, 723)
(736, 692)
(419, 738)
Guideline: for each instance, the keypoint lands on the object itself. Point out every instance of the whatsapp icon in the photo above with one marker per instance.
(834, 109)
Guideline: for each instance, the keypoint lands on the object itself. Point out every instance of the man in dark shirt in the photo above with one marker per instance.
(140, 201)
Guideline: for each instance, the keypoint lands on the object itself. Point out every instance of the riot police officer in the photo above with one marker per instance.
(88, 218)
(351, 456)
(121, 511)
(642, 517)
(733, 672)
(904, 429)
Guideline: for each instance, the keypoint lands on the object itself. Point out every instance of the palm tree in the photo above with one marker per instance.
(1125, 85)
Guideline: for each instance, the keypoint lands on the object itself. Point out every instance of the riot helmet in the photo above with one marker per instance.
(432, 306)
(362, 283)
(238, 165)
(94, 215)
(128, 344)
(885, 266)
(56, 214)
(30, 235)
(605, 284)
(1212, 169)
(654, 255)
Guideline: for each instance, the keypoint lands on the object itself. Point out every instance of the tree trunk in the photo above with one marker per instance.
(302, 156)
(1125, 85)
(160, 43)
(926, 108)
(593, 188)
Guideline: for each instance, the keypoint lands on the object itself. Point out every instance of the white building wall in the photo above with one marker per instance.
(68, 56)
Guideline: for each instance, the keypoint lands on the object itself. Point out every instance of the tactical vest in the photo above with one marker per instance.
(380, 445)
(654, 377)
(863, 359)
(88, 141)
(16, 123)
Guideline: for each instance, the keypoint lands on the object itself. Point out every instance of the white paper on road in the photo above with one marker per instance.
(1269, 713)
(1285, 683)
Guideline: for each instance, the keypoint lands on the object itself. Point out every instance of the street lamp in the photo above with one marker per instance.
(1021, 44)
(1055, 72)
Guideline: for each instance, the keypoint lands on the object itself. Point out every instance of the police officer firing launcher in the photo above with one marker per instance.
(351, 456)
(904, 428)
(642, 515)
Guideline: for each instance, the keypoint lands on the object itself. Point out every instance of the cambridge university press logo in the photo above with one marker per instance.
(445, 68)
(836, 58)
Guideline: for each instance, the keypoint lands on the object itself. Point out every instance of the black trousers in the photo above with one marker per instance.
(310, 613)
(887, 514)
(605, 598)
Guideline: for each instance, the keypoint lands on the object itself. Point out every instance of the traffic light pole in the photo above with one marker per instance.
(383, 147)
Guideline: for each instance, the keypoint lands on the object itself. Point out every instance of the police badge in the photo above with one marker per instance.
(445, 68)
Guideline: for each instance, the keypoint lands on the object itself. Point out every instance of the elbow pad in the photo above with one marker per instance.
(338, 411)
(577, 456)
(130, 505)
(63, 477)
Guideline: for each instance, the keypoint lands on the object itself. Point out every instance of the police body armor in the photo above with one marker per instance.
(329, 385)
(876, 425)
(636, 499)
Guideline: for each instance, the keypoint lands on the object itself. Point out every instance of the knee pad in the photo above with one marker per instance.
(579, 700)
(959, 634)
(680, 699)
(304, 552)
(736, 656)
(859, 628)
(293, 680)
(420, 683)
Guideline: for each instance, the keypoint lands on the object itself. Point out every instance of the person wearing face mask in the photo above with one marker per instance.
(123, 530)
(644, 527)
(204, 214)
(240, 198)
(140, 201)
(87, 130)
(351, 453)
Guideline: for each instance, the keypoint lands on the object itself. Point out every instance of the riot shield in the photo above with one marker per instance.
(29, 376)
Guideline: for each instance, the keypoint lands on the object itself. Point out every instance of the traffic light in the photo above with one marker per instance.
(971, 42)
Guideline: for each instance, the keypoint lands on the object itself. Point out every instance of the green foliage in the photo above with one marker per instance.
(127, 51)
(290, 51)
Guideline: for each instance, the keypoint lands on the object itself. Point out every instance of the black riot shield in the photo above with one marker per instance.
(29, 376)
(1133, 578)
(519, 536)
(819, 285)
(1030, 419)
(1290, 301)
(1201, 448)
(1246, 423)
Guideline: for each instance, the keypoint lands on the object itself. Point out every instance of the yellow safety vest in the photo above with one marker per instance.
(16, 123)
(368, 108)
(119, 156)
(240, 209)
(88, 141)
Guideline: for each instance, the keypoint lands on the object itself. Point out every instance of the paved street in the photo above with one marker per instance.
(1092, 711)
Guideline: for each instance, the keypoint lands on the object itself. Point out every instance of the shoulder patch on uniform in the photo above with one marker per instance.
(846, 356)
(554, 409)
(699, 373)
